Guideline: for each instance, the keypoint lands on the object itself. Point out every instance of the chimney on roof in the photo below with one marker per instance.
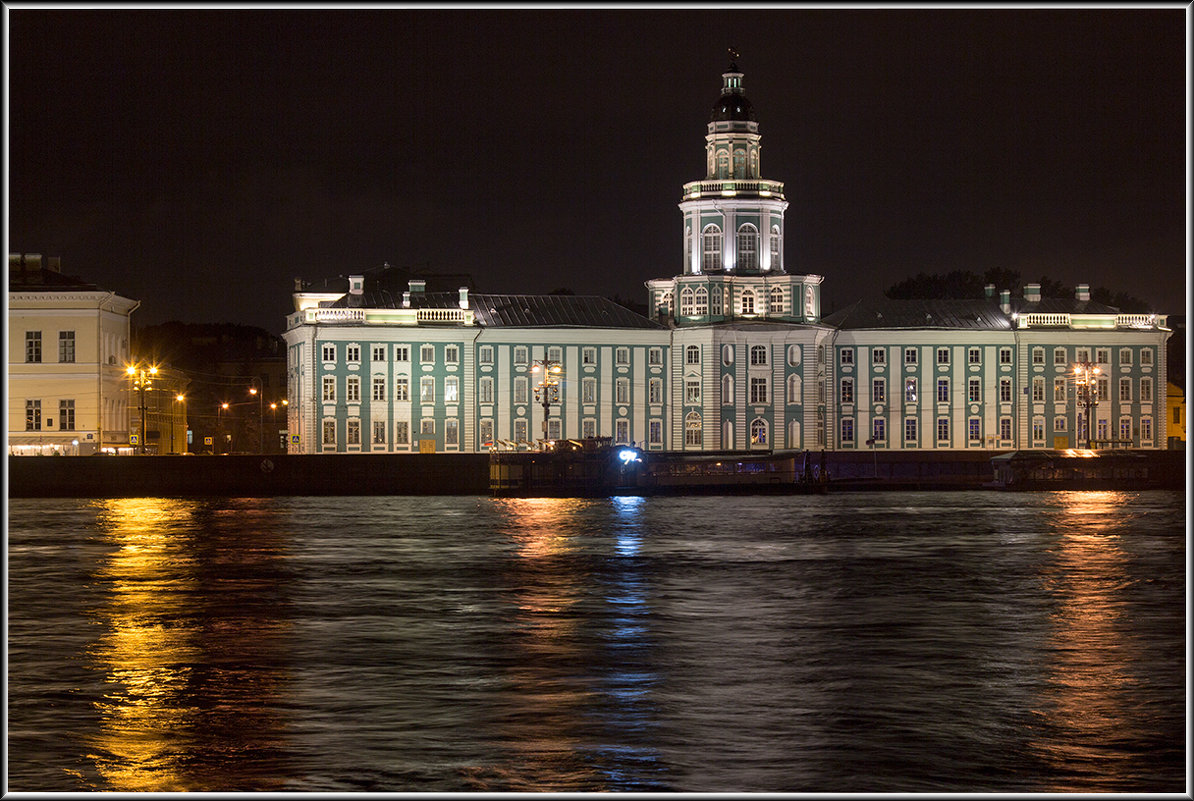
(1082, 292)
(1032, 293)
(464, 297)
(417, 285)
(406, 300)
(54, 264)
(32, 261)
(298, 285)
(989, 289)
(356, 284)
(1005, 301)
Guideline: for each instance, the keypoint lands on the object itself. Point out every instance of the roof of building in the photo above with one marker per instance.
(981, 315)
(521, 311)
(43, 280)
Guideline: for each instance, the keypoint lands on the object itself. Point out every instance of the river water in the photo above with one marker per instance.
(877, 642)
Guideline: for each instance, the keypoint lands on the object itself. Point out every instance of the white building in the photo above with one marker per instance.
(736, 355)
(68, 344)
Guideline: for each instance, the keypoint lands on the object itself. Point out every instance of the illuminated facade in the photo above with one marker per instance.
(68, 342)
(735, 355)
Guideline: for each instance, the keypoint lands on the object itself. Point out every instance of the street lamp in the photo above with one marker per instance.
(179, 398)
(254, 390)
(547, 391)
(142, 380)
(223, 407)
(1086, 385)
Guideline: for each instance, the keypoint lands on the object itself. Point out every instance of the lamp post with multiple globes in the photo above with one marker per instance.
(1086, 385)
(142, 379)
(547, 391)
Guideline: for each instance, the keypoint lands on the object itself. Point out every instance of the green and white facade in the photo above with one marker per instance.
(736, 354)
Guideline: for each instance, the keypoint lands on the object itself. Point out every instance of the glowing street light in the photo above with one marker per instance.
(142, 379)
(1086, 385)
(547, 391)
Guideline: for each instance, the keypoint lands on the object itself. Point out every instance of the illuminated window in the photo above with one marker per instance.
(776, 301)
(1059, 390)
(427, 390)
(402, 389)
(379, 389)
(711, 248)
(66, 346)
(758, 431)
(879, 390)
(32, 347)
(451, 389)
(910, 390)
(520, 430)
(379, 432)
(748, 301)
(329, 389)
(847, 390)
(33, 415)
(485, 433)
(1005, 390)
(686, 301)
(748, 247)
(692, 429)
(701, 302)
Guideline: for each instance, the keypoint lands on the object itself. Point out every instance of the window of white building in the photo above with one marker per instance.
(748, 247)
(692, 429)
(711, 248)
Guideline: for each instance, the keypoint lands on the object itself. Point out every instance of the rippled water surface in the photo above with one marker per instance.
(899, 642)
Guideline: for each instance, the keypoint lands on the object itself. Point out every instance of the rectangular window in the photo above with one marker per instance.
(1083, 356)
(847, 356)
(379, 355)
(692, 354)
(1125, 429)
(1125, 389)
(32, 347)
(352, 353)
(520, 389)
(554, 430)
(847, 430)
(66, 415)
(427, 354)
(974, 430)
(622, 431)
(655, 390)
(485, 432)
(329, 432)
(427, 390)
(329, 353)
(1177, 415)
(1038, 355)
(555, 354)
(402, 389)
(485, 390)
(33, 415)
(379, 389)
(451, 389)
(655, 356)
(427, 427)
(847, 390)
(588, 355)
(588, 390)
(655, 432)
(1005, 390)
(879, 429)
(622, 390)
(588, 428)
(485, 354)
(879, 390)
(66, 346)
(692, 391)
(1059, 424)
(974, 392)
(759, 390)
(758, 355)
(1146, 423)
(943, 390)
(329, 389)
(520, 354)
(1102, 355)
(452, 432)
(1005, 428)
(878, 356)
(1005, 355)
(1125, 357)
(1104, 390)
(942, 429)
(401, 432)
(942, 355)
(1038, 429)
(451, 354)
(909, 355)
(402, 353)
(352, 389)
(1038, 389)
(379, 432)
(622, 356)
(1059, 356)
(909, 429)
(520, 430)
(1059, 390)
(910, 390)
(1146, 360)
(975, 356)
(1146, 388)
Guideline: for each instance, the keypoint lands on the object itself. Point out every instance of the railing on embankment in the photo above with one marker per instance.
(247, 476)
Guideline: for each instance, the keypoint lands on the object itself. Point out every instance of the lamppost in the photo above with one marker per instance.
(223, 407)
(142, 379)
(547, 391)
(255, 390)
(179, 398)
(1085, 383)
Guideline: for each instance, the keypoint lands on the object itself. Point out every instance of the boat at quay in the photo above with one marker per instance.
(1088, 469)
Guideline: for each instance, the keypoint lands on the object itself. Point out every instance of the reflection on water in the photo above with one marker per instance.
(189, 669)
(911, 642)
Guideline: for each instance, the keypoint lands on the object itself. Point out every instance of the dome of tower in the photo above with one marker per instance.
(733, 107)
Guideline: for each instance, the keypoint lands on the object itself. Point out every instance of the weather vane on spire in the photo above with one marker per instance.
(734, 56)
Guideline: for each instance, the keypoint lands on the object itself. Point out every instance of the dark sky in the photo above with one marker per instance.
(200, 160)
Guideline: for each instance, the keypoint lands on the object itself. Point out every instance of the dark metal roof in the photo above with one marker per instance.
(1061, 306)
(979, 315)
(43, 280)
(521, 311)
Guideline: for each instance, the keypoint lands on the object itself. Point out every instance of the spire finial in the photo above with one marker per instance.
(734, 56)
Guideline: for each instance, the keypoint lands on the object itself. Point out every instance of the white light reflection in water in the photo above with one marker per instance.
(1089, 683)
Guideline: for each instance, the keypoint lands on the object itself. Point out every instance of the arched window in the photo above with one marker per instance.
(686, 301)
(692, 429)
(794, 388)
(711, 247)
(775, 243)
(754, 163)
(727, 436)
(727, 390)
(739, 164)
(727, 354)
(688, 249)
(715, 300)
(701, 304)
(748, 301)
(758, 431)
(776, 301)
(665, 303)
(748, 247)
(723, 164)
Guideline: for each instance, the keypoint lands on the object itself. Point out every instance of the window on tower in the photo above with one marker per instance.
(711, 248)
(748, 247)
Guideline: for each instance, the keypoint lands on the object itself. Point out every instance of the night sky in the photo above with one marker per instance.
(200, 160)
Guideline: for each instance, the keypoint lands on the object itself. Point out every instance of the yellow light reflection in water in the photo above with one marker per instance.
(1089, 680)
(140, 741)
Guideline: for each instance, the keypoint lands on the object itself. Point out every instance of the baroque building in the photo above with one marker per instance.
(736, 354)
